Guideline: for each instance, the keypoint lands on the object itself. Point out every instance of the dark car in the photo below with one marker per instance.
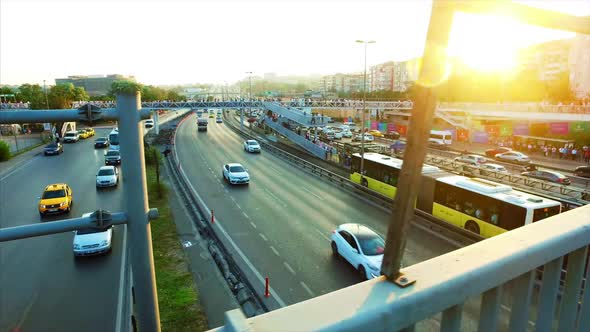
(102, 142)
(392, 134)
(112, 157)
(493, 152)
(582, 171)
(549, 176)
(53, 148)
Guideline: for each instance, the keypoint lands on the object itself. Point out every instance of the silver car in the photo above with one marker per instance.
(513, 157)
(471, 159)
(92, 241)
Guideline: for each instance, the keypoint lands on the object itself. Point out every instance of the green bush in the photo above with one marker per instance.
(4, 151)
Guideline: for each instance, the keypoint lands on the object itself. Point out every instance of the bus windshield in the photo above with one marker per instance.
(114, 138)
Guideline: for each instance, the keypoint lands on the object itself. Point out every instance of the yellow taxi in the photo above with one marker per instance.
(56, 198)
(376, 133)
(90, 131)
(82, 133)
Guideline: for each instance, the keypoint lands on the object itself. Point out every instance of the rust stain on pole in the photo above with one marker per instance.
(432, 72)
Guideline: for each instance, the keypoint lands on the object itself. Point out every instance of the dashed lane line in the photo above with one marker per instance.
(275, 251)
(307, 289)
(263, 237)
(288, 267)
(322, 234)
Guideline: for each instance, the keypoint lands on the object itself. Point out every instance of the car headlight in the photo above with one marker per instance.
(42, 206)
(62, 204)
(76, 246)
(104, 243)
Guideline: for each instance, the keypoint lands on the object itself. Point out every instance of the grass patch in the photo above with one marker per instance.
(178, 299)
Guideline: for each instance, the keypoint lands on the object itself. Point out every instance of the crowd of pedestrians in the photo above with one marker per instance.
(15, 105)
(568, 151)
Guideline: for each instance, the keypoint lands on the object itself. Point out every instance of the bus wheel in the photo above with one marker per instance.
(472, 227)
(364, 182)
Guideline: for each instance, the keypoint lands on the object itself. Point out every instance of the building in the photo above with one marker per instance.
(382, 76)
(95, 85)
(579, 66)
(549, 59)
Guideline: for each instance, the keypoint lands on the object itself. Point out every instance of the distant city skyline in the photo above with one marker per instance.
(184, 42)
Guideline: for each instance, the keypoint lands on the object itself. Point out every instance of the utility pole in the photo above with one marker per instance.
(364, 109)
(249, 100)
(46, 99)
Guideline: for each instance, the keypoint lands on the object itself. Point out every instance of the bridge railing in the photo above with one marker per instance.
(508, 263)
(297, 139)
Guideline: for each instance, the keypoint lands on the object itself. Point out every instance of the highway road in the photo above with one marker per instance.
(42, 286)
(283, 220)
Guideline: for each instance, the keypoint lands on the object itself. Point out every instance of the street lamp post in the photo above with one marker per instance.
(46, 99)
(364, 109)
(249, 100)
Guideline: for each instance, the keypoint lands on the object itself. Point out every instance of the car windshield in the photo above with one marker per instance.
(113, 153)
(252, 143)
(371, 245)
(236, 169)
(89, 231)
(52, 145)
(104, 172)
(101, 139)
(70, 134)
(54, 194)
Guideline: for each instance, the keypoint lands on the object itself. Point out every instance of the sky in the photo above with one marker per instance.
(184, 42)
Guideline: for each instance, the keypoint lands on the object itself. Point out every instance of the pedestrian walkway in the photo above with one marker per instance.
(562, 164)
(8, 166)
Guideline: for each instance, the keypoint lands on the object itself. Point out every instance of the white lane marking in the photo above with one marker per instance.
(245, 215)
(238, 205)
(253, 224)
(288, 267)
(122, 281)
(17, 168)
(274, 169)
(311, 193)
(275, 197)
(235, 247)
(322, 234)
(263, 237)
(307, 289)
(232, 198)
(275, 251)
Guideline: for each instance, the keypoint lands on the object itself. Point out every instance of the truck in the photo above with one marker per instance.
(202, 124)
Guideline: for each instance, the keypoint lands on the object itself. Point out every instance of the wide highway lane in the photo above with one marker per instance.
(283, 220)
(42, 286)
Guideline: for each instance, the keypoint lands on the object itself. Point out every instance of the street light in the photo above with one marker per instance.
(46, 100)
(364, 109)
(249, 100)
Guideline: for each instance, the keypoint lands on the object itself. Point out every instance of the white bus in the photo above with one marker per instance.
(114, 139)
(441, 137)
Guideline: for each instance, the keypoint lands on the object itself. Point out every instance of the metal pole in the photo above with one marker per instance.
(46, 99)
(136, 206)
(363, 117)
(431, 74)
(157, 122)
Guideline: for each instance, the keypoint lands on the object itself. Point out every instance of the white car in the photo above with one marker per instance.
(346, 134)
(487, 168)
(513, 157)
(471, 159)
(149, 123)
(252, 146)
(361, 246)
(235, 173)
(107, 176)
(92, 241)
(368, 138)
(71, 137)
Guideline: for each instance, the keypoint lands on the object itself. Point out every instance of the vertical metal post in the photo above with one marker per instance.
(157, 122)
(431, 73)
(46, 99)
(363, 117)
(250, 94)
(136, 206)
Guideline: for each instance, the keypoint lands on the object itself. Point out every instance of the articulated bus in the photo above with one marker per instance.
(480, 206)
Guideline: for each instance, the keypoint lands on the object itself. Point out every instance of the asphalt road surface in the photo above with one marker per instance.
(42, 286)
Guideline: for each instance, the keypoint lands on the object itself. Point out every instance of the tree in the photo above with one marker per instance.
(32, 94)
(63, 95)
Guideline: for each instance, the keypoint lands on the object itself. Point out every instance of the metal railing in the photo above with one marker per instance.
(297, 139)
(444, 283)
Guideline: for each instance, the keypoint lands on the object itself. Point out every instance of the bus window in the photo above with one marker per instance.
(547, 212)
(511, 216)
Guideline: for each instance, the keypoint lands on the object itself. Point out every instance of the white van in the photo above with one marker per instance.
(441, 137)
